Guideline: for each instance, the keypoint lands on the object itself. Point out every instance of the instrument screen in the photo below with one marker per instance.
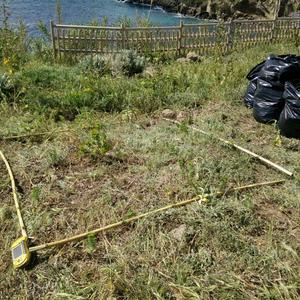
(18, 251)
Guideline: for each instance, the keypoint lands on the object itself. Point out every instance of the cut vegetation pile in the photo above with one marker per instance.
(108, 154)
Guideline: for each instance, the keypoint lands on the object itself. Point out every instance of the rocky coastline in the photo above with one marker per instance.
(215, 9)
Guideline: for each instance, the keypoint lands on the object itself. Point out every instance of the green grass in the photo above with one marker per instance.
(113, 156)
(66, 91)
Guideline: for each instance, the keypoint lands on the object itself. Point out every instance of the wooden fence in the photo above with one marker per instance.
(204, 38)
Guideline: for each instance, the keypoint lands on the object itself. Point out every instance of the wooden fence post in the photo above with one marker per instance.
(58, 42)
(123, 28)
(296, 30)
(180, 38)
(230, 35)
(273, 33)
(53, 38)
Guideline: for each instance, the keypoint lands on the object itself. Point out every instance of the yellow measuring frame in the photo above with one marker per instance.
(199, 199)
(21, 252)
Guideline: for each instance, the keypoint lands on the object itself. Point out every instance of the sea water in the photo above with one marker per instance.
(85, 11)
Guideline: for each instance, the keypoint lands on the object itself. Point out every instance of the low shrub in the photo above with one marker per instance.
(126, 63)
(97, 64)
(68, 90)
(129, 63)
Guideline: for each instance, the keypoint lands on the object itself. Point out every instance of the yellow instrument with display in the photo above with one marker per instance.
(20, 252)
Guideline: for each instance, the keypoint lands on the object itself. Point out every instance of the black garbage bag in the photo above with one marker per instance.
(268, 102)
(279, 69)
(249, 95)
(289, 121)
(252, 77)
(275, 70)
(254, 73)
(295, 83)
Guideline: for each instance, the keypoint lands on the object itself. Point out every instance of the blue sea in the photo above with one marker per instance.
(84, 11)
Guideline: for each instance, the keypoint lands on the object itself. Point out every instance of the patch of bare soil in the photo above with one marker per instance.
(283, 220)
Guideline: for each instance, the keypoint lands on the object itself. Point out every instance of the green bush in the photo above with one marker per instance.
(41, 47)
(126, 63)
(41, 50)
(129, 63)
(97, 64)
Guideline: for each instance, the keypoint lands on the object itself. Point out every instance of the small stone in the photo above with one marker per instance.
(178, 233)
(182, 116)
(169, 114)
(192, 56)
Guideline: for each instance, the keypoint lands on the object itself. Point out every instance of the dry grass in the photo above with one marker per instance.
(243, 246)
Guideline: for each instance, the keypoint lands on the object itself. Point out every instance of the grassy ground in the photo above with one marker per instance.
(112, 158)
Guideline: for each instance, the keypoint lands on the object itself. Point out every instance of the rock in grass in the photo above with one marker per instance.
(169, 114)
(182, 116)
(192, 56)
(178, 233)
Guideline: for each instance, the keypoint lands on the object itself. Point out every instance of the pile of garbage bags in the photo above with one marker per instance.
(274, 93)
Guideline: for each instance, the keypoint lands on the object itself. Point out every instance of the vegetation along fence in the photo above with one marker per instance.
(204, 38)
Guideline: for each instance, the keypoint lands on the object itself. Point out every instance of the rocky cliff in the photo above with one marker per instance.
(213, 9)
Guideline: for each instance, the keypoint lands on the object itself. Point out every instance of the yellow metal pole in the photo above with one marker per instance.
(199, 198)
(260, 158)
(15, 196)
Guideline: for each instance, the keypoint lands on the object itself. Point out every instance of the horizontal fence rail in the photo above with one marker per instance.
(204, 38)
